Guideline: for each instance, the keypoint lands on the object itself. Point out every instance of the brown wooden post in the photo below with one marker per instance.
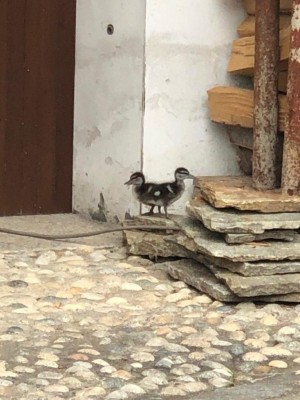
(265, 94)
(291, 149)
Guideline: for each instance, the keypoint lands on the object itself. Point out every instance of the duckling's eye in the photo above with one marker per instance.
(138, 180)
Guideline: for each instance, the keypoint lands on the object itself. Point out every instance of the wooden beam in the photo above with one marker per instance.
(243, 50)
(234, 106)
(247, 27)
(285, 6)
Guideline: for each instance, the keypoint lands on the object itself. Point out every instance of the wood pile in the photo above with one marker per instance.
(233, 106)
(242, 54)
(247, 27)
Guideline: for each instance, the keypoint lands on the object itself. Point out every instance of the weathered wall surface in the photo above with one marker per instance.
(108, 103)
(186, 44)
(187, 49)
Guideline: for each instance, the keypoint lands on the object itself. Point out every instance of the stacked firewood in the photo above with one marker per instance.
(233, 106)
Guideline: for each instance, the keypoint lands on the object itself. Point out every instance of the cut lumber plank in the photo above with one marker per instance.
(243, 50)
(234, 106)
(238, 192)
(247, 27)
(285, 6)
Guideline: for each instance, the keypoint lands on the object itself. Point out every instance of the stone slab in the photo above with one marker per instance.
(153, 220)
(227, 284)
(258, 268)
(152, 244)
(262, 268)
(179, 245)
(238, 192)
(258, 285)
(197, 275)
(284, 235)
(234, 221)
(279, 385)
(212, 244)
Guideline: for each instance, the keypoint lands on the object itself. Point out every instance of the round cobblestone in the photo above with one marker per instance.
(87, 323)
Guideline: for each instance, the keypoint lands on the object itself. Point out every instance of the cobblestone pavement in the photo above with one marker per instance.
(91, 323)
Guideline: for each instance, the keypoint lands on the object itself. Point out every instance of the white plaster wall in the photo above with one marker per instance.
(109, 84)
(185, 45)
(188, 44)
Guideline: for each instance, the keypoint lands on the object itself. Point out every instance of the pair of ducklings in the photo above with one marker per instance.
(159, 194)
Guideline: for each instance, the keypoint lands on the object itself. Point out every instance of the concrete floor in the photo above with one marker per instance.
(55, 224)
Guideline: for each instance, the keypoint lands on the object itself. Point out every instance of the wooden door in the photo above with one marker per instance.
(37, 53)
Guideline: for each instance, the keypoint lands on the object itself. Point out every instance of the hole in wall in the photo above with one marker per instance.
(110, 29)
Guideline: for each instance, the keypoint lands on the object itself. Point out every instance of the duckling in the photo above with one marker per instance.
(140, 188)
(159, 194)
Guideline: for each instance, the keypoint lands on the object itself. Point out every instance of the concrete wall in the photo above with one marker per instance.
(187, 50)
(186, 44)
(109, 85)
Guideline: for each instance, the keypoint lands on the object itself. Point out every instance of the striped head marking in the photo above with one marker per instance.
(136, 179)
(182, 173)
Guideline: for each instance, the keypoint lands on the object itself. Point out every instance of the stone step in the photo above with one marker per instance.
(225, 272)
(197, 275)
(256, 268)
(254, 286)
(235, 221)
(238, 192)
(212, 244)
(284, 235)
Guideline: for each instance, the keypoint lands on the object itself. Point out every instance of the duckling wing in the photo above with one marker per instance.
(161, 193)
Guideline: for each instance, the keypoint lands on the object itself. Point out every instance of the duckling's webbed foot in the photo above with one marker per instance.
(150, 212)
(160, 214)
(166, 212)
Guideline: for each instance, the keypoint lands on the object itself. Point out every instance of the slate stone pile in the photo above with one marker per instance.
(231, 255)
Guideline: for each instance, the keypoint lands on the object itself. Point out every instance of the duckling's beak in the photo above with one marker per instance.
(190, 176)
(128, 182)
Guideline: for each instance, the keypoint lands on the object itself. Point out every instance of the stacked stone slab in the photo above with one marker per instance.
(253, 254)
(229, 254)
